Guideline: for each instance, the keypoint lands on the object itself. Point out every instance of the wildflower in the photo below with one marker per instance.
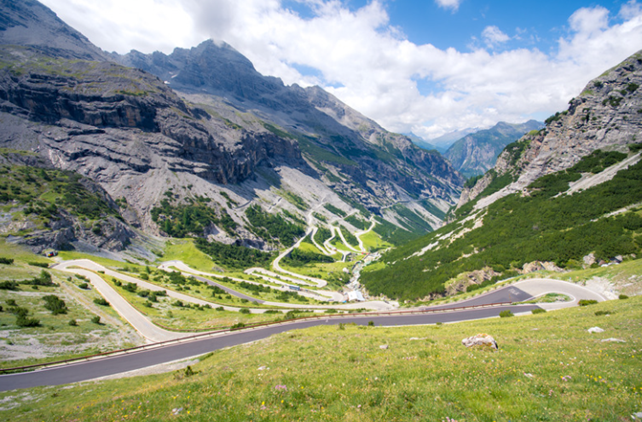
(281, 387)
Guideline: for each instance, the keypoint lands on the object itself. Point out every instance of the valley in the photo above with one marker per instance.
(182, 236)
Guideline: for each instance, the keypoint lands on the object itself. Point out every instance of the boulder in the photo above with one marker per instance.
(595, 330)
(481, 340)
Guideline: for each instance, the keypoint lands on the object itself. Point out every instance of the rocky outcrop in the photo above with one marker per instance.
(606, 115)
(480, 340)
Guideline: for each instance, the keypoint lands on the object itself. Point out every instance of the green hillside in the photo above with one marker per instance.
(520, 229)
(548, 367)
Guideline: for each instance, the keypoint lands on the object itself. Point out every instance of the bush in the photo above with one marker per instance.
(55, 304)
(538, 311)
(506, 314)
(96, 319)
(8, 285)
(623, 297)
(73, 323)
(245, 311)
(84, 286)
(23, 321)
(237, 326)
(6, 261)
(220, 308)
(39, 264)
(101, 301)
(586, 302)
(371, 324)
(130, 287)
(600, 313)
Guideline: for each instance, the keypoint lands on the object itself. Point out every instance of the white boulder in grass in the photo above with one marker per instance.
(482, 340)
(595, 330)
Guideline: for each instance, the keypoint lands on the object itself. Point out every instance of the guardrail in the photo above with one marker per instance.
(247, 327)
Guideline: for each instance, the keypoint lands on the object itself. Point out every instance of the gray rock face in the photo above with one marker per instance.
(217, 70)
(29, 23)
(200, 118)
(606, 115)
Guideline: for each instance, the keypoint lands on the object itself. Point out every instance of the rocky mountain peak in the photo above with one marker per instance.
(29, 23)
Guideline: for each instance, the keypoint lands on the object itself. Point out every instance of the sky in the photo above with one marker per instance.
(427, 67)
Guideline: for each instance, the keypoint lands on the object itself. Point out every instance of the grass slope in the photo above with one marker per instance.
(520, 229)
(548, 368)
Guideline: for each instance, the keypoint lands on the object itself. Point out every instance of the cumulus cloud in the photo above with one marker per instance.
(370, 65)
(493, 35)
(449, 4)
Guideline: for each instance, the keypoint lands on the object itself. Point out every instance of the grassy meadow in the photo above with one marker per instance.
(548, 368)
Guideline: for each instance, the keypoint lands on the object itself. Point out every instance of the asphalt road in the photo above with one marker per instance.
(141, 359)
(227, 289)
(506, 294)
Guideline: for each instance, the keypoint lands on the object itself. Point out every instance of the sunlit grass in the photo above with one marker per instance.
(548, 367)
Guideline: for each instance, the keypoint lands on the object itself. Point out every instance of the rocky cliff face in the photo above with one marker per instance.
(606, 115)
(216, 74)
(477, 152)
(29, 23)
(199, 123)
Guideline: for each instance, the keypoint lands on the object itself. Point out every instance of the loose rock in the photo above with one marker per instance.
(595, 330)
(483, 340)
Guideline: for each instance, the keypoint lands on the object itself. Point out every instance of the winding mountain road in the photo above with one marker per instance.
(101, 367)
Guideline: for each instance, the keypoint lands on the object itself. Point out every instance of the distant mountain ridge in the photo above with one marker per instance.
(476, 153)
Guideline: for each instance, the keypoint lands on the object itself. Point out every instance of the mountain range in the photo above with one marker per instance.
(198, 126)
(476, 153)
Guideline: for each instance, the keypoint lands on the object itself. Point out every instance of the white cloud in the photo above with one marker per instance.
(493, 35)
(449, 4)
(373, 67)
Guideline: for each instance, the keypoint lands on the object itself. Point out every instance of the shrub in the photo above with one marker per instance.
(506, 314)
(586, 302)
(331, 311)
(130, 287)
(245, 311)
(95, 319)
(148, 304)
(73, 323)
(84, 286)
(538, 311)
(600, 313)
(8, 285)
(237, 326)
(342, 326)
(23, 321)
(39, 264)
(178, 303)
(101, 301)
(623, 297)
(6, 261)
(220, 308)
(55, 304)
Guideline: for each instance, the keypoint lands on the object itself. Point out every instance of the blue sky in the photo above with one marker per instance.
(427, 67)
